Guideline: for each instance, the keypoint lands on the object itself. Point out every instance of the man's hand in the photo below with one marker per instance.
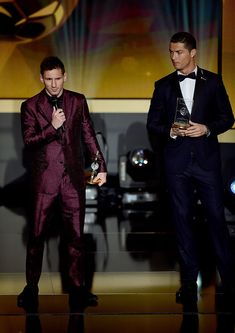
(58, 118)
(101, 178)
(196, 130)
(193, 131)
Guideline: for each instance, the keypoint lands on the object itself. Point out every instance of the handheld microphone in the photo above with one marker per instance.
(54, 102)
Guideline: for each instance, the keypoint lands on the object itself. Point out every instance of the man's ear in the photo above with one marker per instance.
(193, 53)
(65, 76)
(41, 78)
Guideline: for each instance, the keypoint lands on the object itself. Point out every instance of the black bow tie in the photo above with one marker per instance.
(189, 76)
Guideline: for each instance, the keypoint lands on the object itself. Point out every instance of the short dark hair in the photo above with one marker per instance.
(50, 63)
(186, 38)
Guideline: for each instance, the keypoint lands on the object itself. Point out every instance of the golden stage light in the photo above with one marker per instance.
(27, 20)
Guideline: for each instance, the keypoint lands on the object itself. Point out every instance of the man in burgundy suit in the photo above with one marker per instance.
(57, 129)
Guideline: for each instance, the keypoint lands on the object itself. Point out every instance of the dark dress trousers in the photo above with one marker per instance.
(55, 162)
(194, 162)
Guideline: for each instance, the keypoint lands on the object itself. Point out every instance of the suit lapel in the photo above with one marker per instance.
(199, 87)
(66, 105)
(176, 85)
(175, 92)
(44, 107)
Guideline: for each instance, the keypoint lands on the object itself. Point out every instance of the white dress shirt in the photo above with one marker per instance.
(187, 87)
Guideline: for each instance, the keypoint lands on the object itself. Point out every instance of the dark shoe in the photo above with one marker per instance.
(187, 294)
(80, 298)
(28, 299)
(91, 299)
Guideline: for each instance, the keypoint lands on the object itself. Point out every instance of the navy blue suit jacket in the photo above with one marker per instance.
(211, 107)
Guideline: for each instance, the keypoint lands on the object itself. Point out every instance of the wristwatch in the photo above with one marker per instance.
(208, 132)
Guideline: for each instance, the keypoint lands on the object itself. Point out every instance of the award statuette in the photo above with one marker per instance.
(182, 114)
(94, 168)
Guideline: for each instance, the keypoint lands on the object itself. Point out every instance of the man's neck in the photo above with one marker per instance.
(188, 71)
(60, 93)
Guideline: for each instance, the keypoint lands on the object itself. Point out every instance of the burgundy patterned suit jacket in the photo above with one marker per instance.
(50, 151)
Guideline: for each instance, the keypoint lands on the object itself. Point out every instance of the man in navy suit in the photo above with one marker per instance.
(192, 158)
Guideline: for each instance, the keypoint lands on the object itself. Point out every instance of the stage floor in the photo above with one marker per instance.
(132, 267)
(128, 302)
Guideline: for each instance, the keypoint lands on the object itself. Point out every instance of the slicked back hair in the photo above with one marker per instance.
(186, 38)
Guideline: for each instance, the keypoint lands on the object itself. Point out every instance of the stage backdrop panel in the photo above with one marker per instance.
(111, 49)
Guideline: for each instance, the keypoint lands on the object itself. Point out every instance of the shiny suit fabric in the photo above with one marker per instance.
(194, 163)
(55, 162)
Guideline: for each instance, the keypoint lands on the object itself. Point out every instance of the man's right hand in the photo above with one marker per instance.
(176, 131)
(58, 118)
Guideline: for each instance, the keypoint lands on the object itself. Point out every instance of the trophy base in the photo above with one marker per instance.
(91, 182)
(89, 178)
(181, 126)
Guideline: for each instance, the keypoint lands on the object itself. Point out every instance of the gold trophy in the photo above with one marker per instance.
(182, 114)
(94, 168)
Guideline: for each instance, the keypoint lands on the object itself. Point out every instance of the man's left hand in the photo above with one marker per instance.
(101, 178)
(195, 130)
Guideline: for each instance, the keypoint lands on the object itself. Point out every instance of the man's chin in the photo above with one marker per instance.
(53, 93)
